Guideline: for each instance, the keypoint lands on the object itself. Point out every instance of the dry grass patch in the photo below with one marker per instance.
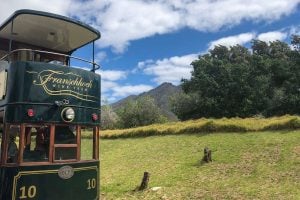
(202, 126)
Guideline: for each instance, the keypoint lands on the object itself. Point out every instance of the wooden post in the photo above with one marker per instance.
(145, 181)
(207, 155)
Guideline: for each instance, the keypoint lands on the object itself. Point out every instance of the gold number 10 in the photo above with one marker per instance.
(31, 192)
(91, 183)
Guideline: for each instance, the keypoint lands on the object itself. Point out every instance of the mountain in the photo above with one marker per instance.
(161, 96)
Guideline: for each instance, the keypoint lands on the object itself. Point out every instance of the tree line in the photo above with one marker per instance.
(140, 112)
(235, 81)
(240, 82)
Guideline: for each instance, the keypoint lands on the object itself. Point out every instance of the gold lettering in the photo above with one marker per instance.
(61, 80)
(53, 79)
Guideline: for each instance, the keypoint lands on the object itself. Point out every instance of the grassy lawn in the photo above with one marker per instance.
(255, 165)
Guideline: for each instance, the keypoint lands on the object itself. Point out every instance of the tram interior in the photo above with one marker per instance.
(25, 52)
(37, 143)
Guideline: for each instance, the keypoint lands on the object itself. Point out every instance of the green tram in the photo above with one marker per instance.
(49, 111)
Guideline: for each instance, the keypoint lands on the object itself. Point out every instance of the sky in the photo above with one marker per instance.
(145, 43)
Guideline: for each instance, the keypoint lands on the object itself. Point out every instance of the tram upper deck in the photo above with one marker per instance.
(35, 74)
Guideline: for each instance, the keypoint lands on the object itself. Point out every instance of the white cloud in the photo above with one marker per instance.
(112, 75)
(112, 90)
(124, 21)
(100, 56)
(123, 91)
(107, 85)
(272, 36)
(233, 40)
(245, 38)
(55, 6)
(169, 69)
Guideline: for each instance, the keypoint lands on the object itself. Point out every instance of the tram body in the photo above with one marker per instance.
(49, 111)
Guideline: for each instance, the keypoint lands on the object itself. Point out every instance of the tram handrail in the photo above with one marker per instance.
(95, 65)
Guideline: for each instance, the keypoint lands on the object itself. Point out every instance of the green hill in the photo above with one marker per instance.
(161, 96)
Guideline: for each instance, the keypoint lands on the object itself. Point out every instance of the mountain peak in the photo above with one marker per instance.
(161, 95)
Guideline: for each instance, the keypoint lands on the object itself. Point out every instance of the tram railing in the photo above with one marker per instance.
(34, 52)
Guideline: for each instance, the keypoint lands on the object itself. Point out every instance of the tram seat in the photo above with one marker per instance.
(25, 56)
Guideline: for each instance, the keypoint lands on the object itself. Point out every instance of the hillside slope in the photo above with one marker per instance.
(160, 94)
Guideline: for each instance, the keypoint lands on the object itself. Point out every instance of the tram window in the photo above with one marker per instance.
(65, 153)
(65, 143)
(53, 59)
(36, 144)
(13, 143)
(86, 143)
(65, 135)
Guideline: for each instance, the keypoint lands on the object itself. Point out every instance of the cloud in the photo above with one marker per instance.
(169, 69)
(245, 38)
(123, 91)
(112, 75)
(107, 86)
(124, 21)
(272, 36)
(233, 40)
(100, 56)
(55, 6)
(112, 90)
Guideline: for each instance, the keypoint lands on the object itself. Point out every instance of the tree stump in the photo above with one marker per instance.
(145, 181)
(207, 155)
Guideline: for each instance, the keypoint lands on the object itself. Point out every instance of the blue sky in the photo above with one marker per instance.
(147, 42)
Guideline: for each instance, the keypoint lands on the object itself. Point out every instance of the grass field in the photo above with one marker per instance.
(253, 165)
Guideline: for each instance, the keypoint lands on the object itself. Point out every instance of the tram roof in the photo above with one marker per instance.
(48, 30)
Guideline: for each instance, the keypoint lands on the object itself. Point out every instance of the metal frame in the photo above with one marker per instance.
(51, 15)
(51, 160)
(95, 65)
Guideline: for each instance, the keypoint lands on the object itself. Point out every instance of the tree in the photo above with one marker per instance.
(235, 81)
(109, 119)
(183, 105)
(140, 112)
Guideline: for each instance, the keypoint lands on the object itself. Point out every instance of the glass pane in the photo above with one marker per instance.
(65, 135)
(86, 143)
(13, 143)
(65, 153)
(36, 144)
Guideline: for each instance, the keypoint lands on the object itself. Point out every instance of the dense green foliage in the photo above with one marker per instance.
(139, 112)
(109, 119)
(237, 82)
